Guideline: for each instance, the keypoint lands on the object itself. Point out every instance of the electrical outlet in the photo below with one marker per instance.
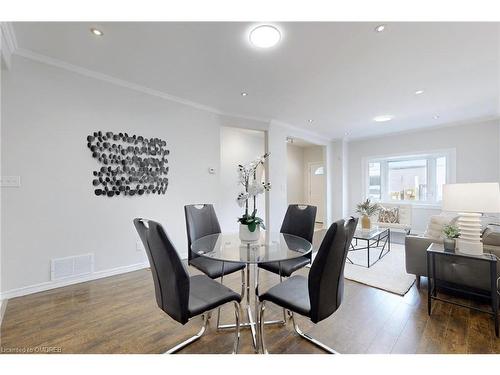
(139, 246)
(10, 181)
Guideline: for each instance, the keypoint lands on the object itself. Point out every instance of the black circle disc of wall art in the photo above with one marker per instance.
(130, 164)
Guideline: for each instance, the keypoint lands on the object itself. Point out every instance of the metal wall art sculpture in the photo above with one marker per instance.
(130, 165)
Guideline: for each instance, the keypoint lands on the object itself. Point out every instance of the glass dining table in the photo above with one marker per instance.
(271, 247)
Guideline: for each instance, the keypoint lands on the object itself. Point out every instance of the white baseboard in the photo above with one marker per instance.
(23, 291)
(3, 307)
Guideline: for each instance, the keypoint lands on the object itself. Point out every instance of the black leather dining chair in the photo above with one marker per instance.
(201, 221)
(179, 295)
(299, 221)
(320, 294)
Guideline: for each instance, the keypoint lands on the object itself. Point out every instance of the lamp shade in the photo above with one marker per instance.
(473, 197)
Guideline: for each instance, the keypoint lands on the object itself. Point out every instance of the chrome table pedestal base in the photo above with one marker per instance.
(251, 323)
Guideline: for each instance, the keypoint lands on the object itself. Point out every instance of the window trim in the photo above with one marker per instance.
(449, 153)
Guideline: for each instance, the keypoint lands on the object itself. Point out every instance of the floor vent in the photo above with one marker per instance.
(62, 268)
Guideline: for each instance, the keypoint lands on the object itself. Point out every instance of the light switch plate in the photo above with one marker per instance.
(10, 181)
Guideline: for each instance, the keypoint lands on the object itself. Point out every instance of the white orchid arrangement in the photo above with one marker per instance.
(250, 177)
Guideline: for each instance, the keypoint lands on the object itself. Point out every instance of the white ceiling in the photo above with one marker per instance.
(339, 74)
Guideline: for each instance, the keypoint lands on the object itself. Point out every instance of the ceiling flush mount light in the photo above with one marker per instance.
(383, 118)
(244, 93)
(380, 28)
(96, 32)
(265, 36)
(419, 92)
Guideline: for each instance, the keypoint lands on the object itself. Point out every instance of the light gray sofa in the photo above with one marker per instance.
(451, 269)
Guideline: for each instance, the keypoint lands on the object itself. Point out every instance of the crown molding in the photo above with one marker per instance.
(28, 54)
(9, 36)
(9, 43)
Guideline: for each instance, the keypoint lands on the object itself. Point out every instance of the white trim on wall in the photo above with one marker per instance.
(23, 291)
(28, 54)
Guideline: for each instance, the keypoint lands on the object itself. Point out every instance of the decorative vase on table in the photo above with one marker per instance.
(250, 177)
(366, 223)
(451, 233)
(248, 236)
(367, 209)
(449, 244)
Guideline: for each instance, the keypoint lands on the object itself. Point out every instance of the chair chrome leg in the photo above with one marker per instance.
(218, 310)
(237, 319)
(311, 339)
(262, 307)
(284, 311)
(242, 284)
(191, 339)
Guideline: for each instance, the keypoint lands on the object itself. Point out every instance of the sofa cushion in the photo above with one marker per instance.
(491, 235)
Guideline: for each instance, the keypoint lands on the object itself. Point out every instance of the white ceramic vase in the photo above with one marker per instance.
(247, 236)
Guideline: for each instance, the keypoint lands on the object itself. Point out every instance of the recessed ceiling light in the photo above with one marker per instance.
(96, 31)
(380, 28)
(265, 36)
(383, 118)
(244, 93)
(310, 121)
(419, 92)
(435, 117)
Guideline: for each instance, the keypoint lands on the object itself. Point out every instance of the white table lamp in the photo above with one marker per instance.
(470, 201)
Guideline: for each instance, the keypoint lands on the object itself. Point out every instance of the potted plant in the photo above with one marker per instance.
(250, 177)
(451, 233)
(366, 209)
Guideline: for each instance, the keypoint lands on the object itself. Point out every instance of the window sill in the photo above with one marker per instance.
(428, 206)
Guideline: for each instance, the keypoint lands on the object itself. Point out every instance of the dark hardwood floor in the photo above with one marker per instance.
(119, 315)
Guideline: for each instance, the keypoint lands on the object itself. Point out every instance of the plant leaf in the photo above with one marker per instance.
(252, 226)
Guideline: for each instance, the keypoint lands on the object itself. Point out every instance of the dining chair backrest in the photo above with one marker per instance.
(201, 221)
(171, 279)
(299, 221)
(326, 276)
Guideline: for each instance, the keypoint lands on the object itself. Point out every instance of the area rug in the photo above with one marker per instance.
(388, 274)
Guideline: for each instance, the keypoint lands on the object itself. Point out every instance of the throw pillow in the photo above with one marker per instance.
(388, 215)
(436, 224)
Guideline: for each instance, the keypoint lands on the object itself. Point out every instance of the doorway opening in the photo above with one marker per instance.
(306, 176)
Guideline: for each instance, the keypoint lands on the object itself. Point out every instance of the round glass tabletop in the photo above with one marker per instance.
(271, 247)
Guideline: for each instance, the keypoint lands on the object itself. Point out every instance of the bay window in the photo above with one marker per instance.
(408, 178)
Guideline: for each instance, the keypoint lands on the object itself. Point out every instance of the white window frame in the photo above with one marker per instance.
(431, 155)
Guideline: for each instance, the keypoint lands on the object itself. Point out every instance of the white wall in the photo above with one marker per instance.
(47, 113)
(295, 174)
(477, 148)
(238, 146)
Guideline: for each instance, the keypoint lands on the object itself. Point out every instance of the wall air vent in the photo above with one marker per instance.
(63, 268)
